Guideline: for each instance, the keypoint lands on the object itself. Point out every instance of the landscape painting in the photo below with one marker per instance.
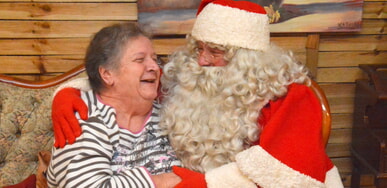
(171, 17)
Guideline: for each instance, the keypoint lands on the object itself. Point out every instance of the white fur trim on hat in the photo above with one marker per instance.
(232, 26)
(267, 171)
(227, 176)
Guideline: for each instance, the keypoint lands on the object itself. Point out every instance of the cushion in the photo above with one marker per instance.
(25, 129)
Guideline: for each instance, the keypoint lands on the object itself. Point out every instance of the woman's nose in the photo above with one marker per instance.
(153, 65)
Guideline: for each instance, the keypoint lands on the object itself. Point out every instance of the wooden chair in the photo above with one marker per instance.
(326, 113)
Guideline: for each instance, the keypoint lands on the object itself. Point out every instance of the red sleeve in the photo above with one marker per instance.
(290, 152)
(292, 132)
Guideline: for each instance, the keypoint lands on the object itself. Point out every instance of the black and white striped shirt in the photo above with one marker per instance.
(106, 155)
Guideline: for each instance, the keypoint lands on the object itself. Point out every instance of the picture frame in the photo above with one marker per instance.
(174, 17)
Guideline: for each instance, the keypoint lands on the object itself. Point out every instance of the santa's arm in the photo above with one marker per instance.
(79, 83)
(66, 101)
(291, 152)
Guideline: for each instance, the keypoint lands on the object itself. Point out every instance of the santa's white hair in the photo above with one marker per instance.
(211, 113)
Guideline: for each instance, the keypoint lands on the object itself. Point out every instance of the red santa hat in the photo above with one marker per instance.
(232, 23)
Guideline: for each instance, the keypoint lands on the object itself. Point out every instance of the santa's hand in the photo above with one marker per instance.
(65, 124)
(190, 179)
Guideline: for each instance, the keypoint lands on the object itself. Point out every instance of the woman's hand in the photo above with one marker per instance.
(166, 180)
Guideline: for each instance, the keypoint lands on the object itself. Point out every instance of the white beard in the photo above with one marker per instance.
(206, 123)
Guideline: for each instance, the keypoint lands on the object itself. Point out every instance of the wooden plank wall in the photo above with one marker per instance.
(337, 69)
(40, 39)
(43, 38)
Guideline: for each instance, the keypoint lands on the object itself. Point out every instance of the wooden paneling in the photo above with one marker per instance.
(366, 181)
(375, 10)
(40, 39)
(354, 43)
(38, 64)
(340, 97)
(373, 27)
(342, 120)
(66, 1)
(63, 46)
(341, 74)
(69, 46)
(68, 11)
(344, 162)
(350, 58)
(340, 136)
(338, 150)
(50, 29)
(337, 70)
(295, 44)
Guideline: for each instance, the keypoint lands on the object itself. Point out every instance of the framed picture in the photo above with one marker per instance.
(171, 17)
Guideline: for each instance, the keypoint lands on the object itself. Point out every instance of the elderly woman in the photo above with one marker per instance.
(120, 144)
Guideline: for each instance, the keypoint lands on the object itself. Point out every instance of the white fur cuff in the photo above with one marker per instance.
(333, 180)
(79, 83)
(267, 171)
(227, 176)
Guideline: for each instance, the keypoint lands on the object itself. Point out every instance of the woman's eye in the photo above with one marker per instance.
(156, 60)
(139, 60)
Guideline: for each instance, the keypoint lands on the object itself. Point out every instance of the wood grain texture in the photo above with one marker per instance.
(51, 29)
(30, 64)
(350, 58)
(67, 1)
(354, 43)
(68, 11)
(339, 74)
(375, 10)
(61, 46)
(372, 26)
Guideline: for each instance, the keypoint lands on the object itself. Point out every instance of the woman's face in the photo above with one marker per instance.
(210, 56)
(138, 74)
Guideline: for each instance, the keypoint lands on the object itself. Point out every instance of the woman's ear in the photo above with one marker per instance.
(107, 76)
